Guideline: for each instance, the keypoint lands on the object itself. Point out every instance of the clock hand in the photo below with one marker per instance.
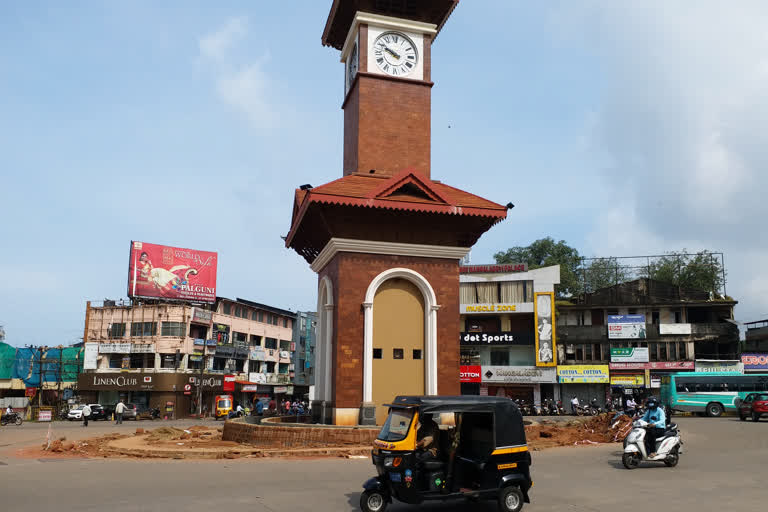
(395, 55)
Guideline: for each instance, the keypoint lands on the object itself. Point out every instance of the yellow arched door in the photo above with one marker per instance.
(398, 343)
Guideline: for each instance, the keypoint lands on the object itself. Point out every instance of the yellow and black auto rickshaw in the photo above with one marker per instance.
(481, 453)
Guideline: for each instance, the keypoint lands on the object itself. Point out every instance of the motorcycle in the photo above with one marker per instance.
(560, 409)
(668, 446)
(595, 409)
(13, 418)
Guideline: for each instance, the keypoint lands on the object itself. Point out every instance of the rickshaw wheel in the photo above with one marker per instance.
(373, 501)
(511, 499)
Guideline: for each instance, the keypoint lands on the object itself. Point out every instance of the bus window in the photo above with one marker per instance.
(681, 386)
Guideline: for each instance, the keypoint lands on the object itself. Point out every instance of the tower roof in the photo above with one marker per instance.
(343, 13)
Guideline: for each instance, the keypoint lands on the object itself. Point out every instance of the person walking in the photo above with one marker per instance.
(574, 404)
(119, 410)
(86, 414)
(287, 407)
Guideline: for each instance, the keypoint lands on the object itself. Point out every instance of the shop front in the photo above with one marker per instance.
(584, 382)
(173, 393)
(625, 377)
(523, 383)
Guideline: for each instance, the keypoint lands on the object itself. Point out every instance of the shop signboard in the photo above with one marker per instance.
(288, 390)
(664, 365)
(142, 348)
(629, 355)
(258, 378)
(470, 374)
(241, 353)
(496, 338)
(199, 342)
(754, 362)
(546, 342)
(655, 381)
(211, 343)
(250, 388)
(160, 271)
(44, 415)
(628, 381)
(583, 374)
(30, 392)
(501, 268)
(258, 354)
(202, 316)
(90, 356)
(675, 329)
(626, 327)
(225, 351)
(196, 357)
(518, 375)
(115, 348)
(709, 365)
(229, 383)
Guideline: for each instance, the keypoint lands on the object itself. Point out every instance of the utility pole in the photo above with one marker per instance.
(200, 385)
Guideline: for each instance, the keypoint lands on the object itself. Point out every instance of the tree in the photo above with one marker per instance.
(602, 273)
(546, 252)
(702, 271)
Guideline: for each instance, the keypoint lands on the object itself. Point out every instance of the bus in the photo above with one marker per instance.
(712, 393)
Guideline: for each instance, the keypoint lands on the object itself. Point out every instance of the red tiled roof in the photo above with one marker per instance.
(408, 190)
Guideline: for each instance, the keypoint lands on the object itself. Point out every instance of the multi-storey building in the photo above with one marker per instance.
(159, 354)
(304, 353)
(641, 330)
(754, 354)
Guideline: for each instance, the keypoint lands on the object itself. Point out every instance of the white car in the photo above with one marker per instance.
(77, 412)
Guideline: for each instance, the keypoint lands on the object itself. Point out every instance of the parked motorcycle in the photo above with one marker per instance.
(13, 418)
(668, 446)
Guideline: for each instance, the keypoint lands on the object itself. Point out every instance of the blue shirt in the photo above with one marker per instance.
(655, 417)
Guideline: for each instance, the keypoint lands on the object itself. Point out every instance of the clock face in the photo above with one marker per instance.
(352, 65)
(395, 54)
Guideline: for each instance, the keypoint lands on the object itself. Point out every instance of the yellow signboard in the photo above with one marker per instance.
(633, 381)
(491, 308)
(544, 314)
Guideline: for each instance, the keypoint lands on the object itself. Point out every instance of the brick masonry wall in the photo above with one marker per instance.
(297, 437)
(351, 274)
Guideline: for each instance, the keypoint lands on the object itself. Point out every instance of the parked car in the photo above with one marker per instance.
(754, 405)
(77, 412)
(131, 412)
(100, 412)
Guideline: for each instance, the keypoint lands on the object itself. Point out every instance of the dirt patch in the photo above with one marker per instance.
(595, 430)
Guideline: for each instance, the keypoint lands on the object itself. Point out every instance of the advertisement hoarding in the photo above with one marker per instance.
(626, 327)
(518, 375)
(160, 271)
(583, 374)
(470, 374)
(754, 362)
(546, 347)
(669, 365)
(675, 329)
(90, 356)
(629, 355)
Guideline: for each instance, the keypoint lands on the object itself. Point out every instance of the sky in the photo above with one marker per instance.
(621, 127)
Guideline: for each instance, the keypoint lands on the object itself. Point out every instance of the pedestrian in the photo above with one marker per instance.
(272, 405)
(259, 407)
(119, 410)
(86, 414)
(287, 407)
(574, 404)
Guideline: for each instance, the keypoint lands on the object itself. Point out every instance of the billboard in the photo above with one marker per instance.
(755, 361)
(583, 374)
(544, 303)
(629, 355)
(626, 327)
(159, 271)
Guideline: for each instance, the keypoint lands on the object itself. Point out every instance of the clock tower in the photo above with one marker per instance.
(386, 239)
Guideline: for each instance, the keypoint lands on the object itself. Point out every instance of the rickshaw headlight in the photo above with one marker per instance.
(388, 461)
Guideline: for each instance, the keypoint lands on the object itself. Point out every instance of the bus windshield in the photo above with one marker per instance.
(397, 425)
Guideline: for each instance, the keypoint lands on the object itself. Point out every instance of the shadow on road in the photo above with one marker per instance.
(457, 505)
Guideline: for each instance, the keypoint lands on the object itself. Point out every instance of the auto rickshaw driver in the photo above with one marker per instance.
(427, 433)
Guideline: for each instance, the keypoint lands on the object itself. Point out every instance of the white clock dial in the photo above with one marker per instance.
(352, 65)
(395, 54)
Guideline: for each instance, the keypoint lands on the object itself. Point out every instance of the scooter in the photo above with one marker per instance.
(668, 446)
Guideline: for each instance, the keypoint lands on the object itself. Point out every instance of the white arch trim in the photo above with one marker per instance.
(430, 328)
(324, 339)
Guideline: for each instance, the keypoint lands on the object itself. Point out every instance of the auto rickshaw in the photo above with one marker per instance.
(482, 454)
(222, 406)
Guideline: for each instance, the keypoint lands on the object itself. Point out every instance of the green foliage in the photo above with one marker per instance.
(701, 271)
(604, 272)
(546, 252)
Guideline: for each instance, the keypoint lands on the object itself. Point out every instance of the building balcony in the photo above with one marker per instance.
(599, 333)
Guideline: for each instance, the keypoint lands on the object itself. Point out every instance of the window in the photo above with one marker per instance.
(652, 351)
(579, 352)
(283, 368)
(681, 350)
(117, 331)
(219, 364)
(416, 353)
(588, 352)
(285, 322)
(302, 363)
(655, 317)
(662, 351)
(499, 357)
(270, 367)
(678, 316)
(377, 353)
(115, 360)
(227, 308)
(137, 361)
(673, 351)
(397, 353)
(261, 316)
(167, 360)
(173, 329)
(285, 345)
(270, 343)
(470, 357)
(255, 340)
(597, 352)
(143, 328)
(253, 316)
(238, 311)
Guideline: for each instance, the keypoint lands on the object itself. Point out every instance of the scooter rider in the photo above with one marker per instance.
(656, 420)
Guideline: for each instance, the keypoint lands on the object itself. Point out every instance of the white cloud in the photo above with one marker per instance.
(240, 83)
(681, 125)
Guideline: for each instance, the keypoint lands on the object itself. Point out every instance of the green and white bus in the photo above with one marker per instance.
(712, 393)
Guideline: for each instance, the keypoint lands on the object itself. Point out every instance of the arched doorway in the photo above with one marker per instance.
(398, 343)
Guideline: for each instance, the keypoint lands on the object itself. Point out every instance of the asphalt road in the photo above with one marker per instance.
(723, 467)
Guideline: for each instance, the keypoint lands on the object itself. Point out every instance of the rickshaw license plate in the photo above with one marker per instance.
(396, 477)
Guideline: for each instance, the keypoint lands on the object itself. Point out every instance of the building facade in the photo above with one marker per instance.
(639, 331)
(498, 331)
(754, 354)
(303, 356)
(160, 354)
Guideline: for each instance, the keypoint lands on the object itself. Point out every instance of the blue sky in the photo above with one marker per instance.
(623, 128)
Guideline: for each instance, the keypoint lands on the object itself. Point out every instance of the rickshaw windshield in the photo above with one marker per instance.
(224, 404)
(397, 425)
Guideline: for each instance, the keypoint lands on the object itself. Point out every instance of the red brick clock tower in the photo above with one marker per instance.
(386, 239)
